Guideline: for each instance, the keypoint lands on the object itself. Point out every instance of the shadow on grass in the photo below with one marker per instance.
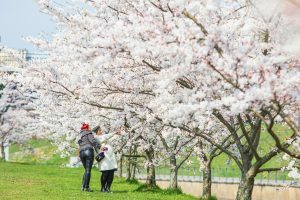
(119, 191)
(156, 189)
(171, 191)
(17, 163)
(210, 198)
(146, 188)
(133, 181)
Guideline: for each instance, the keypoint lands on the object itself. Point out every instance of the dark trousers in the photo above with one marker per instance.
(107, 178)
(87, 159)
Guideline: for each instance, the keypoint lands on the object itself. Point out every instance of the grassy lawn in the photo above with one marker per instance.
(36, 152)
(26, 181)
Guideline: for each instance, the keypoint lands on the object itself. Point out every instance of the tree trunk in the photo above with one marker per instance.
(128, 169)
(206, 192)
(2, 151)
(150, 181)
(120, 165)
(134, 163)
(245, 187)
(173, 173)
(133, 170)
(128, 165)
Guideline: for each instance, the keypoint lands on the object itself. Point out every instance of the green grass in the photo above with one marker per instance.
(26, 181)
(36, 151)
(210, 198)
(38, 143)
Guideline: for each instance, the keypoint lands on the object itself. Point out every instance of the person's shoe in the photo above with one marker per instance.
(88, 190)
(108, 190)
(103, 189)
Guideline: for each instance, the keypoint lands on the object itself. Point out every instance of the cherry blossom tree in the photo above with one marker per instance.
(246, 89)
(176, 145)
(16, 116)
(186, 63)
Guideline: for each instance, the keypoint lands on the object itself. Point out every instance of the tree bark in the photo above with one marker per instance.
(150, 181)
(128, 165)
(245, 187)
(120, 165)
(173, 173)
(133, 171)
(3, 152)
(128, 169)
(134, 163)
(206, 192)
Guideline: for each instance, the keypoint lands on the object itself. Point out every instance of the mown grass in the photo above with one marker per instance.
(30, 144)
(210, 198)
(36, 151)
(27, 181)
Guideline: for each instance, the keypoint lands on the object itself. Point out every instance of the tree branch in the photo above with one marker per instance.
(268, 170)
(250, 143)
(102, 106)
(151, 66)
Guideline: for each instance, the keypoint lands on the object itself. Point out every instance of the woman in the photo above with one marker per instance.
(87, 144)
(108, 165)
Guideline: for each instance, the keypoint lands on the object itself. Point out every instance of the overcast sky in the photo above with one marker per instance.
(22, 18)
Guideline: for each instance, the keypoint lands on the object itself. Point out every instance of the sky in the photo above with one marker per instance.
(20, 18)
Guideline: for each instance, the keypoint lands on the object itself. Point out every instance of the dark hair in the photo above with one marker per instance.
(96, 129)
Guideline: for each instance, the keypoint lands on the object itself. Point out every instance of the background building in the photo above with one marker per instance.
(13, 57)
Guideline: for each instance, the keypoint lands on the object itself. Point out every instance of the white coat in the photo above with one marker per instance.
(109, 162)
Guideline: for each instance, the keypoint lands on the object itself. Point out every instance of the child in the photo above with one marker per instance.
(107, 159)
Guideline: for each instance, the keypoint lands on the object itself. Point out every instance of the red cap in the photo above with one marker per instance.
(85, 126)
